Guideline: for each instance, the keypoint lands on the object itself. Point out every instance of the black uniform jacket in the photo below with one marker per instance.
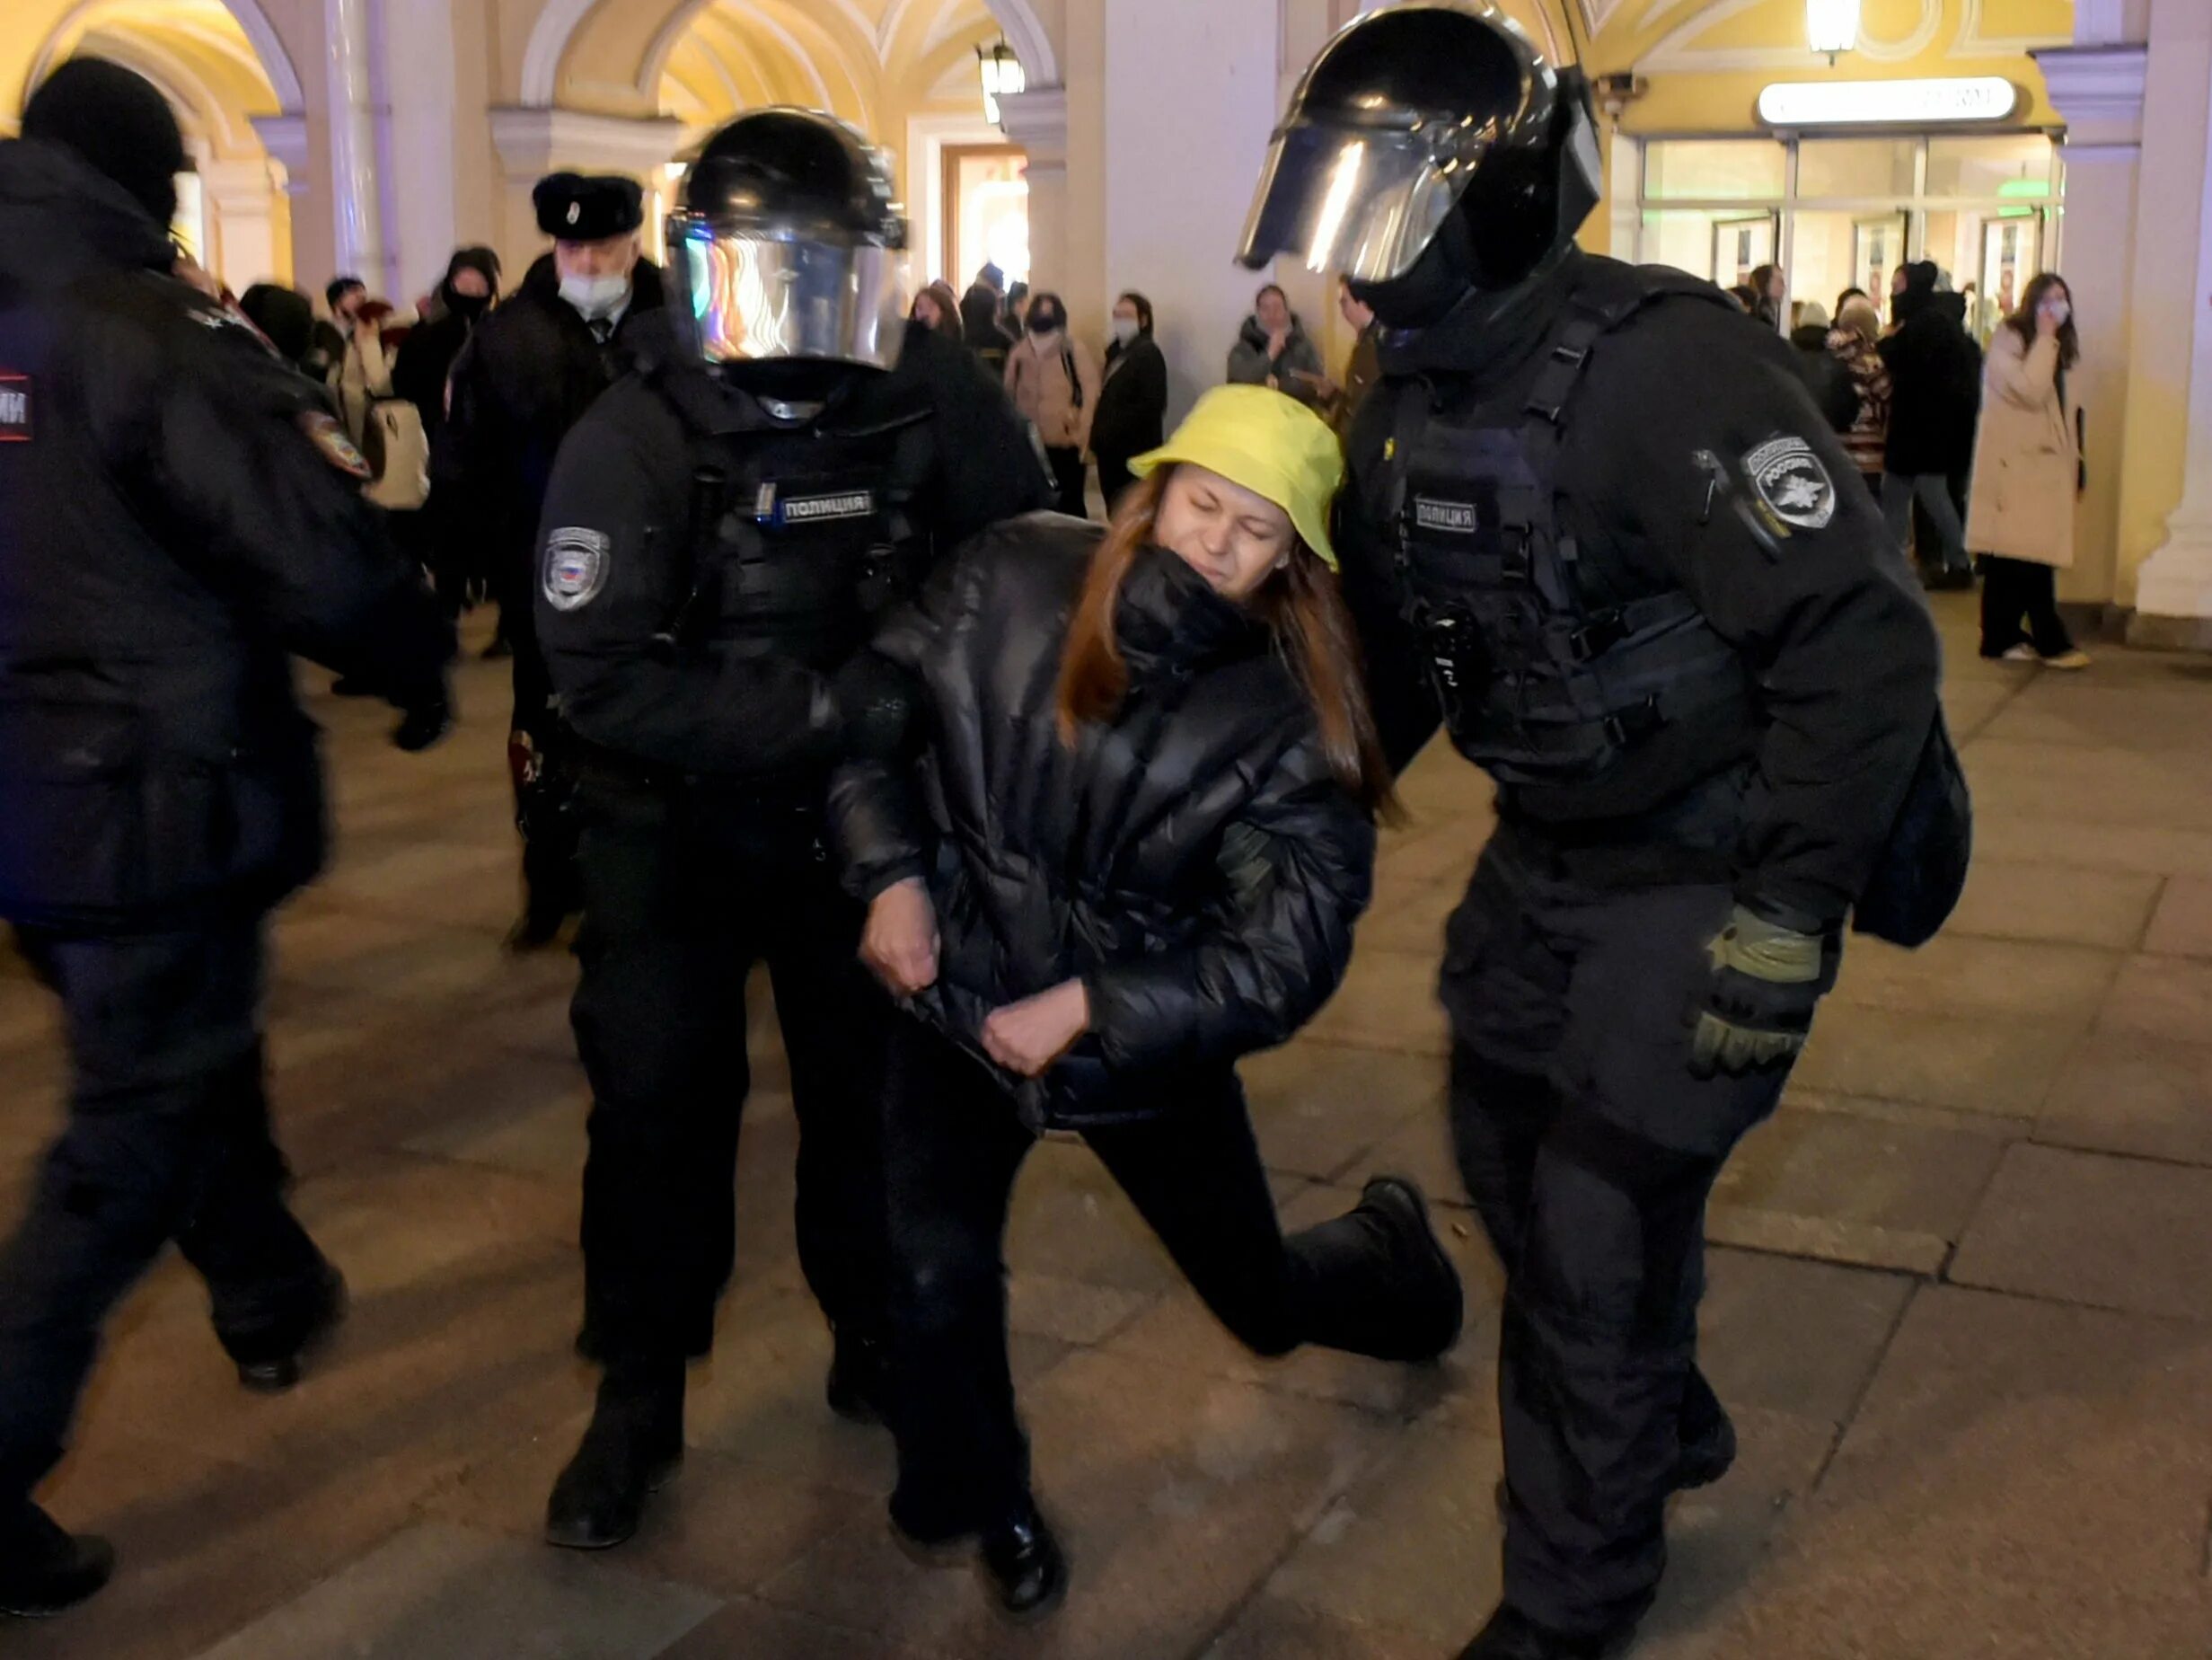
(726, 706)
(1194, 861)
(1833, 629)
(178, 512)
(1934, 386)
(1132, 402)
(526, 376)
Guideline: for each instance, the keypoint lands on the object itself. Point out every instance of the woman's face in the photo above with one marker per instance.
(1229, 535)
(2058, 301)
(1777, 287)
(926, 312)
(1274, 311)
(1125, 310)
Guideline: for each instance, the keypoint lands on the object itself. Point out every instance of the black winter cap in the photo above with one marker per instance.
(576, 207)
(117, 121)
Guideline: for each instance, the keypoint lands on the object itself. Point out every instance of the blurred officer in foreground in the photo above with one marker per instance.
(788, 460)
(525, 377)
(1597, 530)
(179, 513)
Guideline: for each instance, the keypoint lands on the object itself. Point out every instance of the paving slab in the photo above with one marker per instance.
(2022, 1479)
(1409, 916)
(2148, 850)
(2057, 987)
(1880, 1190)
(1387, 1001)
(2124, 1092)
(1175, 1493)
(2083, 1227)
(2161, 997)
(2071, 904)
(1794, 1336)
(1268, 1628)
(746, 1629)
(1970, 1063)
(1317, 1108)
(2183, 926)
(441, 1593)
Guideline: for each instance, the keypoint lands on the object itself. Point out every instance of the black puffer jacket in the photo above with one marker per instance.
(179, 513)
(1934, 384)
(1195, 863)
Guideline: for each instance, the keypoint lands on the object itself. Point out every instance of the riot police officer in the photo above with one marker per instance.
(786, 460)
(523, 381)
(179, 511)
(1598, 531)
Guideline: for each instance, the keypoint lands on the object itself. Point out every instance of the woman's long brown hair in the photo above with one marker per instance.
(1302, 609)
(2022, 319)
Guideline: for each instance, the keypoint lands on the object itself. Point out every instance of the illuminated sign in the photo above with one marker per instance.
(1887, 103)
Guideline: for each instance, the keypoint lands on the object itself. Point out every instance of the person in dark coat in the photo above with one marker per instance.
(722, 532)
(1132, 853)
(1935, 401)
(1833, 390)
(1596, 531)
(1272, 349)
(419, 374)
(286, 320)
(180, 514)
(525, 377)
(1132, 402)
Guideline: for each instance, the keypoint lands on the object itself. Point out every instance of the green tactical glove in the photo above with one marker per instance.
(1766, 981)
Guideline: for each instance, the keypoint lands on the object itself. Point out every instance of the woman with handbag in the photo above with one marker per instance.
(2027, 472)
(1131, 852)
(1053, 380)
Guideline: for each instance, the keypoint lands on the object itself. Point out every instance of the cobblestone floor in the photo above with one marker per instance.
(1959, 1304)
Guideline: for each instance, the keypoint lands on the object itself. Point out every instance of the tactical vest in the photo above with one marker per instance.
(1540, 682)
(800, 537)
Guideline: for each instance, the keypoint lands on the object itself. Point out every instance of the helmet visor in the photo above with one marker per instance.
(1362, 202)
(751, 298)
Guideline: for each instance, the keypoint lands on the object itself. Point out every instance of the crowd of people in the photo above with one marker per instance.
(1036, 824)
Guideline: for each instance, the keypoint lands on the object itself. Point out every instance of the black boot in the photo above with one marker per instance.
(1511, 1635)
(1024, 1564)
(538, 927)
(633, 1446)
(859, 1379)
(1708, 1437)
(44, 1570)
(272, 1362)
(1425, 1280)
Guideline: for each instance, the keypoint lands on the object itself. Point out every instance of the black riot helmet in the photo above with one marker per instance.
(787, 245)
(1430, 149)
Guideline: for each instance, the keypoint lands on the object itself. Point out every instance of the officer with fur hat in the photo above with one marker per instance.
(526, 376)
(787, 460)
(1597, 530)
(179, 513)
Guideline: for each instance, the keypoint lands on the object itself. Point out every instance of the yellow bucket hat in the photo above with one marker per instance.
(1272, 445)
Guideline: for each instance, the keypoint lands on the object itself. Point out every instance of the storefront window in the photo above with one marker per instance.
(1984, 207)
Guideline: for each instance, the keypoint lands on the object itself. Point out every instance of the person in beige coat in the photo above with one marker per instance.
(1053, 380)
(2027, 471)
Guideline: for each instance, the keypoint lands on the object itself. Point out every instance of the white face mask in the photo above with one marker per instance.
(2057, 311)
(1124, 328)
(595, 297)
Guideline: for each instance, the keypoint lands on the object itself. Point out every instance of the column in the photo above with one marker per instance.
(290, 146)
(419, 149)
(240, 199)
(2099, 89)
(1037, 120)
(2173, 586)
(360, 247)
(1174, 208)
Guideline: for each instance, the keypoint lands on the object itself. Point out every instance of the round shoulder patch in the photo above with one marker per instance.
(576, 566)
(1792, 482)
(333, 446)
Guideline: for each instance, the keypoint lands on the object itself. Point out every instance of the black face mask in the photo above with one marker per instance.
(1438, 281)
(469, 305)
(1045, 322)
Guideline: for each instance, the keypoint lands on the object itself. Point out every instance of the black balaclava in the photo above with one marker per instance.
(486, 264)
(117, 121)
(285, 316)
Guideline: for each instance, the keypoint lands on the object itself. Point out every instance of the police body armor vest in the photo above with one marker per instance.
(1539, 682)
(802, 536)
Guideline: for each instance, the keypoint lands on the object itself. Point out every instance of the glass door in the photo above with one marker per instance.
(1741, 243)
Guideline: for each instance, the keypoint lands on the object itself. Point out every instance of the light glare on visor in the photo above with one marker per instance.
(1361, 203)
(757, 299)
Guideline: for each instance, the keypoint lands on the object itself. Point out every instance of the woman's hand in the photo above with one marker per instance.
(2048, 319)
(1026, 1038)
(900, 942)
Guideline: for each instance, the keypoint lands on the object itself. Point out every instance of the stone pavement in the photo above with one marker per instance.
(1958, 1304)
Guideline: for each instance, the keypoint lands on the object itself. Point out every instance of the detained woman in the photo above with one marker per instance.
(1131, 850)
(2027, 471)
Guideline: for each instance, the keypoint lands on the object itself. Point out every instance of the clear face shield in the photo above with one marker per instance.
(1362, 202)
(750, 297)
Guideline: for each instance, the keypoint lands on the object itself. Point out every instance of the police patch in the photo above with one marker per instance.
(1454, 518)
(576, 566)
(1791, 480)
(331, 443)
(14, 408)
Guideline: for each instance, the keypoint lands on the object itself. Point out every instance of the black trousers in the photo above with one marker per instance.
(953, 1146)
(1113, 477)
(2014, 592)
(543, 770)
(168, 1138)
(683, 893)
(1068, 476)
(1589, 1150)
